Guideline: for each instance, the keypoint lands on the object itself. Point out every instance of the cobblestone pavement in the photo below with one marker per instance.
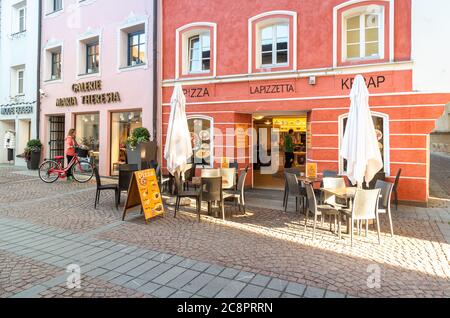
(264, 253)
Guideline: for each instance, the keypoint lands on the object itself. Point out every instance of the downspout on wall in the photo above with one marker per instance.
(38, 79)
(155, 69)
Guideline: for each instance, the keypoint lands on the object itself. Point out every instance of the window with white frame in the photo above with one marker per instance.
(21, 82)
(18, 80)
(19, 18)
(22, 19)
(199, 47)
(363, 34)
(274, 47)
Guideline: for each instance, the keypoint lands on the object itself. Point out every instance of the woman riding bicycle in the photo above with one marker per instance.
(71, 145)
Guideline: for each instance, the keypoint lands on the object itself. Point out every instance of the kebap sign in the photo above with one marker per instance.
(144, 192)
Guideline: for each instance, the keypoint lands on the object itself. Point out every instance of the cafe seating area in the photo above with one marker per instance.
(332, 196)
(328, 202)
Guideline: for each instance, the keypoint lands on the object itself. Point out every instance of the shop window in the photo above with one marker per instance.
(87, 127)
(122, 125)
(201, 129)
(381, 123)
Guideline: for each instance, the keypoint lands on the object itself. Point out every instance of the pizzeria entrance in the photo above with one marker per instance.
(272, 142)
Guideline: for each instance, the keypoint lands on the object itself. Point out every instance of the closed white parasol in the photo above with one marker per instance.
(360, 145)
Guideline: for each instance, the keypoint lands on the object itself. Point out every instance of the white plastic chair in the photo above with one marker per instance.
(210, 173)
(365, 208)
(228, 177)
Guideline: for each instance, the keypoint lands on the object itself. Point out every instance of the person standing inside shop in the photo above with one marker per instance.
(70, 151)
(289, 149)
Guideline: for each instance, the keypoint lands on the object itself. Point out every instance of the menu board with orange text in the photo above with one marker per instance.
(144, 191)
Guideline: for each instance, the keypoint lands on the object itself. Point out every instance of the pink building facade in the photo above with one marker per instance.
(96, 76)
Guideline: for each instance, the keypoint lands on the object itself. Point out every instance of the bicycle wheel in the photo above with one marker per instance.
(83, 171)
(48, 171)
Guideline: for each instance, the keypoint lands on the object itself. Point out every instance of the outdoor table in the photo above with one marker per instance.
(310, 180)
(197, 181)
(347, 194)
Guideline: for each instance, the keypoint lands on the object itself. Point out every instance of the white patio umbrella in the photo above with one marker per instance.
(360, 144)
(178, 144)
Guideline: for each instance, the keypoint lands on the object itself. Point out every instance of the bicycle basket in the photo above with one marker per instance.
(82, 153)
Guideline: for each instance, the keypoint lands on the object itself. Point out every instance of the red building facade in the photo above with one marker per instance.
(241, 60)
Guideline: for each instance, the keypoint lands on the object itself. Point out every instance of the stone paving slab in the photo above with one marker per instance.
(264, 253)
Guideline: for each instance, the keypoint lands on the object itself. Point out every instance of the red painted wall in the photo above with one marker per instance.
(412, 116)
(315, 30)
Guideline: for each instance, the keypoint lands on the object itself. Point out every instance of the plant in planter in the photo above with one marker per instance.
(140, 148)
(32, 154)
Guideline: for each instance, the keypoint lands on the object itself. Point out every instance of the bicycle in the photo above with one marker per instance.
(52, 170)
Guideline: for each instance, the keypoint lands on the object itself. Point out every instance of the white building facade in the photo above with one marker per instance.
(19, 24)
(430, 53)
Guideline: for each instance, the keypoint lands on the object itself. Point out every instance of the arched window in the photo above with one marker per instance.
(202, 136)
(381, 123)
(272, 42)
(196, 53)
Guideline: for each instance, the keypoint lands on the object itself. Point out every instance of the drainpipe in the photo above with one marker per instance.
(155, 69)
(38, 79)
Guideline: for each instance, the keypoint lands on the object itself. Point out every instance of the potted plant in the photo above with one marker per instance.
(32, 154)
(140, 148)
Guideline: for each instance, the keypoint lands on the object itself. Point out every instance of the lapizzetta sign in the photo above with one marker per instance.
(89, 99)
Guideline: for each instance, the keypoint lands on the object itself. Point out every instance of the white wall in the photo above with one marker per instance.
(19, 50)
(431, 45)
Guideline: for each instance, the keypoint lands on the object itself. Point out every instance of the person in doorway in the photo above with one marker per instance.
(70, 151)
(289, 149)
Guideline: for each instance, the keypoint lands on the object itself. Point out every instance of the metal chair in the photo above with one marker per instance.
(296, 190)
(211, 191)
(239, 194)
(365, 208)
(100, 187)
(186, 194)
(189, 175)
(125, 174)
(286, 185)
(320, 210)
(397, 179)
(384, 204)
